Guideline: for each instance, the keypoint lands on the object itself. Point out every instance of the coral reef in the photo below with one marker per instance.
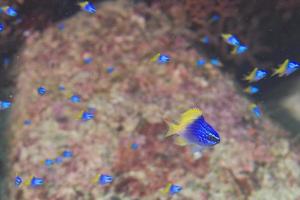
(253, 160)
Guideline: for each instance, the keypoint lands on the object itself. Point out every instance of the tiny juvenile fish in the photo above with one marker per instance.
(214, 18)
(18, 181)
(8, 10)
(134, 146)
(231, 39)
(286, 68)
(42, 91)
(251, 89)
(255, 110)
(87, 58)
(75, 99)
(171, 189)
(200, 63)
(5, 105)
(67, 154)
(205, 40)
(237, 50)
(194, 131)
(34, 181)
(103, 179)
(110, 70)
(161, 58)
(27, 122)
(256, 75)
(1, 27)
(216, 62)
(87, 6)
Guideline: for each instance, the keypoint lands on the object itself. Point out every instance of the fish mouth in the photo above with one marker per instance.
(215, 139)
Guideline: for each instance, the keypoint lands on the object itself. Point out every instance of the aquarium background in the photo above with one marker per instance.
(105, 58)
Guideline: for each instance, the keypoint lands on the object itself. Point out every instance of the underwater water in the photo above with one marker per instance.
(149, 100)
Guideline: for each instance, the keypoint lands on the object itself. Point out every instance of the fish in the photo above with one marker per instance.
(231, 39)
(34, 181)
(110, 70)
(255, 110)
(5, 105)
(251, 89)
(102, 179)
(171, 189)
(87, 58)
(58, 160)
(49, 162)
(75, 99)
(237, 50)
(286, 68)
(61, 88)
(205, 40)
(256, 75)
(194, 131)
(27, 122)
(200, 63)
(10, 11)
(42, 90)
(161, 58)
(61, 26)
(216, 62)
(134, 146)
(67, 154)
(18, 181)
(214, 18)
(1, 27)
(87, 6)
(87, 115)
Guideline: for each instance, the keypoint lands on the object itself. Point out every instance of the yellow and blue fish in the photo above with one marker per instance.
(256, 75)
(239, 49)
(194, 131)
(286, 68)
(160, 58)
(87, 6)
(171, 189)
(102, 179)
(255, 110)
(251, 89)
(8, 10)
(231, 39)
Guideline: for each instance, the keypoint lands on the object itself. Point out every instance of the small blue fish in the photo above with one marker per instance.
(193, 130)
(1, 27)
(200, 63)
(67, 154)
(163, 59)
(18, 181)
(48, 162)
(105, 179)
(205, 40)
(61, 88)
(87, 116)
(256, 75)
(239, 50)
(27, 122)
(5, 105)
(41, 91)
(37, 182)
(75, 99)
(88, 7)
(171, 189)
(87, 58)
(61, 26)
(216, 62)
(255, 110)
(134, 146)
(58, 160)
(6, 61)
(251, 90)
(8, 10)
(214, 18)
(231, 40)
(110, 70)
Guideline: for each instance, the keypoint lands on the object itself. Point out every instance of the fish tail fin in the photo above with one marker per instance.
(27, 182)
(173, 129)
(154, 58)
(166, 189)
(95, 179)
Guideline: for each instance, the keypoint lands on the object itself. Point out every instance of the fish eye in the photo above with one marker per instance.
(213, 138)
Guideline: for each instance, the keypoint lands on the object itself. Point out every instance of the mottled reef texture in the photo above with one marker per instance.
(253, 161)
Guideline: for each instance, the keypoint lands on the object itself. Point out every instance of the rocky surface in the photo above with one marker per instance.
(253, 161)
